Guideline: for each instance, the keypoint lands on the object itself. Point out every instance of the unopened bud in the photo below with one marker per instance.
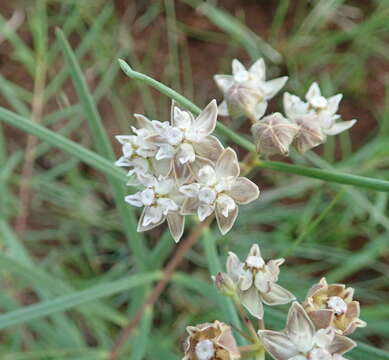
(310, 133)
(274, 134)
(225, 284)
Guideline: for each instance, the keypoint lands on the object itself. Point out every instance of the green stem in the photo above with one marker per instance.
(326, 175)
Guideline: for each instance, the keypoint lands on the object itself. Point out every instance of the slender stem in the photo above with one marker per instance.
(326, 175)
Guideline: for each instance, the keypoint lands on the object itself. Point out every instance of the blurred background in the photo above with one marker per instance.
(60, 228)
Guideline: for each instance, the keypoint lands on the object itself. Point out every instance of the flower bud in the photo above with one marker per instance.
(274, 134)
(310, 133)
(210, 341)
(225, 284)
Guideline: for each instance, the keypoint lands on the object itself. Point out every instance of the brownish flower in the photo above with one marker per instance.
(210, 341)
(333, 305)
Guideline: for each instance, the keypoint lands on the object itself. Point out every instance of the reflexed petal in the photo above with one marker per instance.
(164, 185)
(294, 107)
(204, 210)
(176, 225)
(224, 82)
(251, 301)
(124, 139)
(244, 191)
(340, 345)
(272, 87)
(166, 205)
(161, 167)
(223, 109)
(310, 134)
(313, 91)
(258, 69)
(254, 251)
(233, 266)
(181, 118)
(277, 296)
(227, 164)
(210, 147)
(339, 127)
(190, 206)
(225, 223)
(278, 345)
(142, 227)
(299, 327)
(205, 123)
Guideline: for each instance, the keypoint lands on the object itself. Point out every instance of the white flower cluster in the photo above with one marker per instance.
(306, 124)
(184, 170)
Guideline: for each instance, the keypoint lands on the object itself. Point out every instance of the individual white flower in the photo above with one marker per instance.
(246, 92)
(218, 188)
(318, 114)
(300, 341)
(186, 137)
(257, 281)
(161, 201)
(139, 151)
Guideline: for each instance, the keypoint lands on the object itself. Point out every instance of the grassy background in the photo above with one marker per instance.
(77, 272)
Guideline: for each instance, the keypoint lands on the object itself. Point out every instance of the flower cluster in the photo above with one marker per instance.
(315, 330)
(183, 170)
(306, 125)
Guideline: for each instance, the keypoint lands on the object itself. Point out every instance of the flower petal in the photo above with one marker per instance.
(258, 69)
(277, 295)
(176, 224)
(321, 318)
(339, 127)
(233, 266)
(224, 82)
(190, 206)
(333, 103)
(222, 109)
(227, 164)
(209, 147)
(205, 123)
(239, 71)
(161, 167)
(204, 210)
(144, 123)
(243, 191)
(225, 223)
(199, 164)
(251, 301)
(340, 345)
(313, 91)
(272, 87)
(299, 327)
(278, 345)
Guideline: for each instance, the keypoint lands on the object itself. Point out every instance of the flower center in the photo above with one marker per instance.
(318, 102)
(254, 262)
(205, 350)
(337, 304)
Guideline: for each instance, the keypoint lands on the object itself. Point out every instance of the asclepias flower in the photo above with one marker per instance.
(185, 138)
(333, 305)
(161, 201)
(210, 341)
(218, 189)
(246, 92)
(301, 341)
(256, 281)
(317, 117)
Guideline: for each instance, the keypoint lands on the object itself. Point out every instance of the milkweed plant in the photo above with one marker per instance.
(181, 168)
